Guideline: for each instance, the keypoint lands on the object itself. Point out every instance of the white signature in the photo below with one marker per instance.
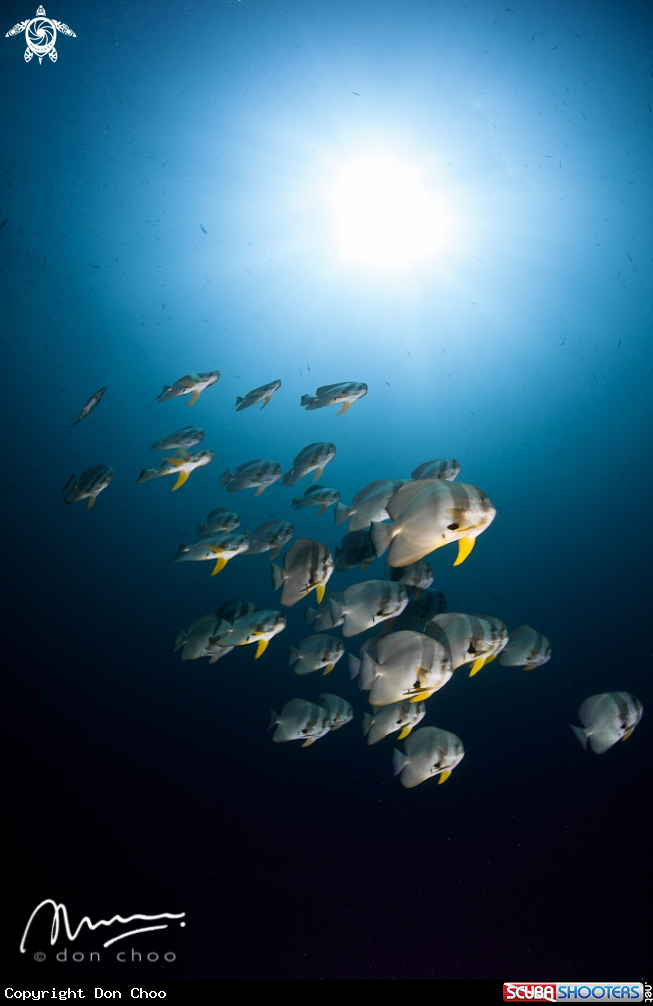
(60, 912)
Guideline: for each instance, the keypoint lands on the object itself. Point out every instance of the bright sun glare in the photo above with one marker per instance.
(386, 217)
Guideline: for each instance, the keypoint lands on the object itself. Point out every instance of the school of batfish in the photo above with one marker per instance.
(420, 644)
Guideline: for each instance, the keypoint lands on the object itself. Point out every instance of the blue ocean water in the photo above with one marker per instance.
(177, 198)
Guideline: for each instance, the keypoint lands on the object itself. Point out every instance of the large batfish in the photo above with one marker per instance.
(428, 514)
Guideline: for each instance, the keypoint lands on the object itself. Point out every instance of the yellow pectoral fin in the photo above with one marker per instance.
(181, 478)
(476, 666)
(261, 648)
(91, 501)
(465, 545)
(324, 505)
(319, 592)
(175, 461)
(329, 668)
(404, 733)
(318, 472)
(266, 401)
(488, 660)
(530, 667)
(193, 398)
(423, 695)
(308, 742)
(259, 490)
(627, 734)
(346, 406)
(220, 563)
(444, 776)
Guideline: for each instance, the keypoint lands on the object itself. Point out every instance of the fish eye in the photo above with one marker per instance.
(452, 527)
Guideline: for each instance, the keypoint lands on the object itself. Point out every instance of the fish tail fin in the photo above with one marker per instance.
(398, 762)
(278, 575)
(274, 719)
(307, 400)
(296, 501)
(293, 655)
(367, 675)
(346, 406)
(335, 609)
(69, 484)
(166, 389)
(342, 513)
(180, 639)
(239, 401)
(310, 614)
(354, 666)
(381, 535)
(367, 723)
(225, 477)
(156, 446)
(580, 734)
(289, 478)
(147, 473)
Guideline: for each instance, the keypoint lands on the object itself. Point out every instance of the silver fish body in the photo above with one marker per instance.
(420, 610)
(219, 548)
(470, 639)
(340, 711)
(92, 403)
(402, 666)
(271, 536)
(197, 643)
(262, 394)
(257, 473)
(366, 604)
(320, 496)
(219, 520)
(313, 458)
(525, 648)
(355, 549)
(607, 718)
(181, 466)
(190, 384)
(89, 485)
(307, 566)
(428, 514)
(441, 468)
(300, 721)
(183, 439)
(344, 394)
(429, 752)
(369, 504)
(256, 627)
(235, 608)
(321, 618)
(418, 575)
(385, 720)
(320, 652)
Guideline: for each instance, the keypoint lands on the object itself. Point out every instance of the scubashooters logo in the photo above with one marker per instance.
(60, 914)
(40, 35)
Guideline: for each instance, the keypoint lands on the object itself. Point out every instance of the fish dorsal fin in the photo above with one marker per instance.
(418, 737)
(406, 496)
(326, 388)
(594, 707)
